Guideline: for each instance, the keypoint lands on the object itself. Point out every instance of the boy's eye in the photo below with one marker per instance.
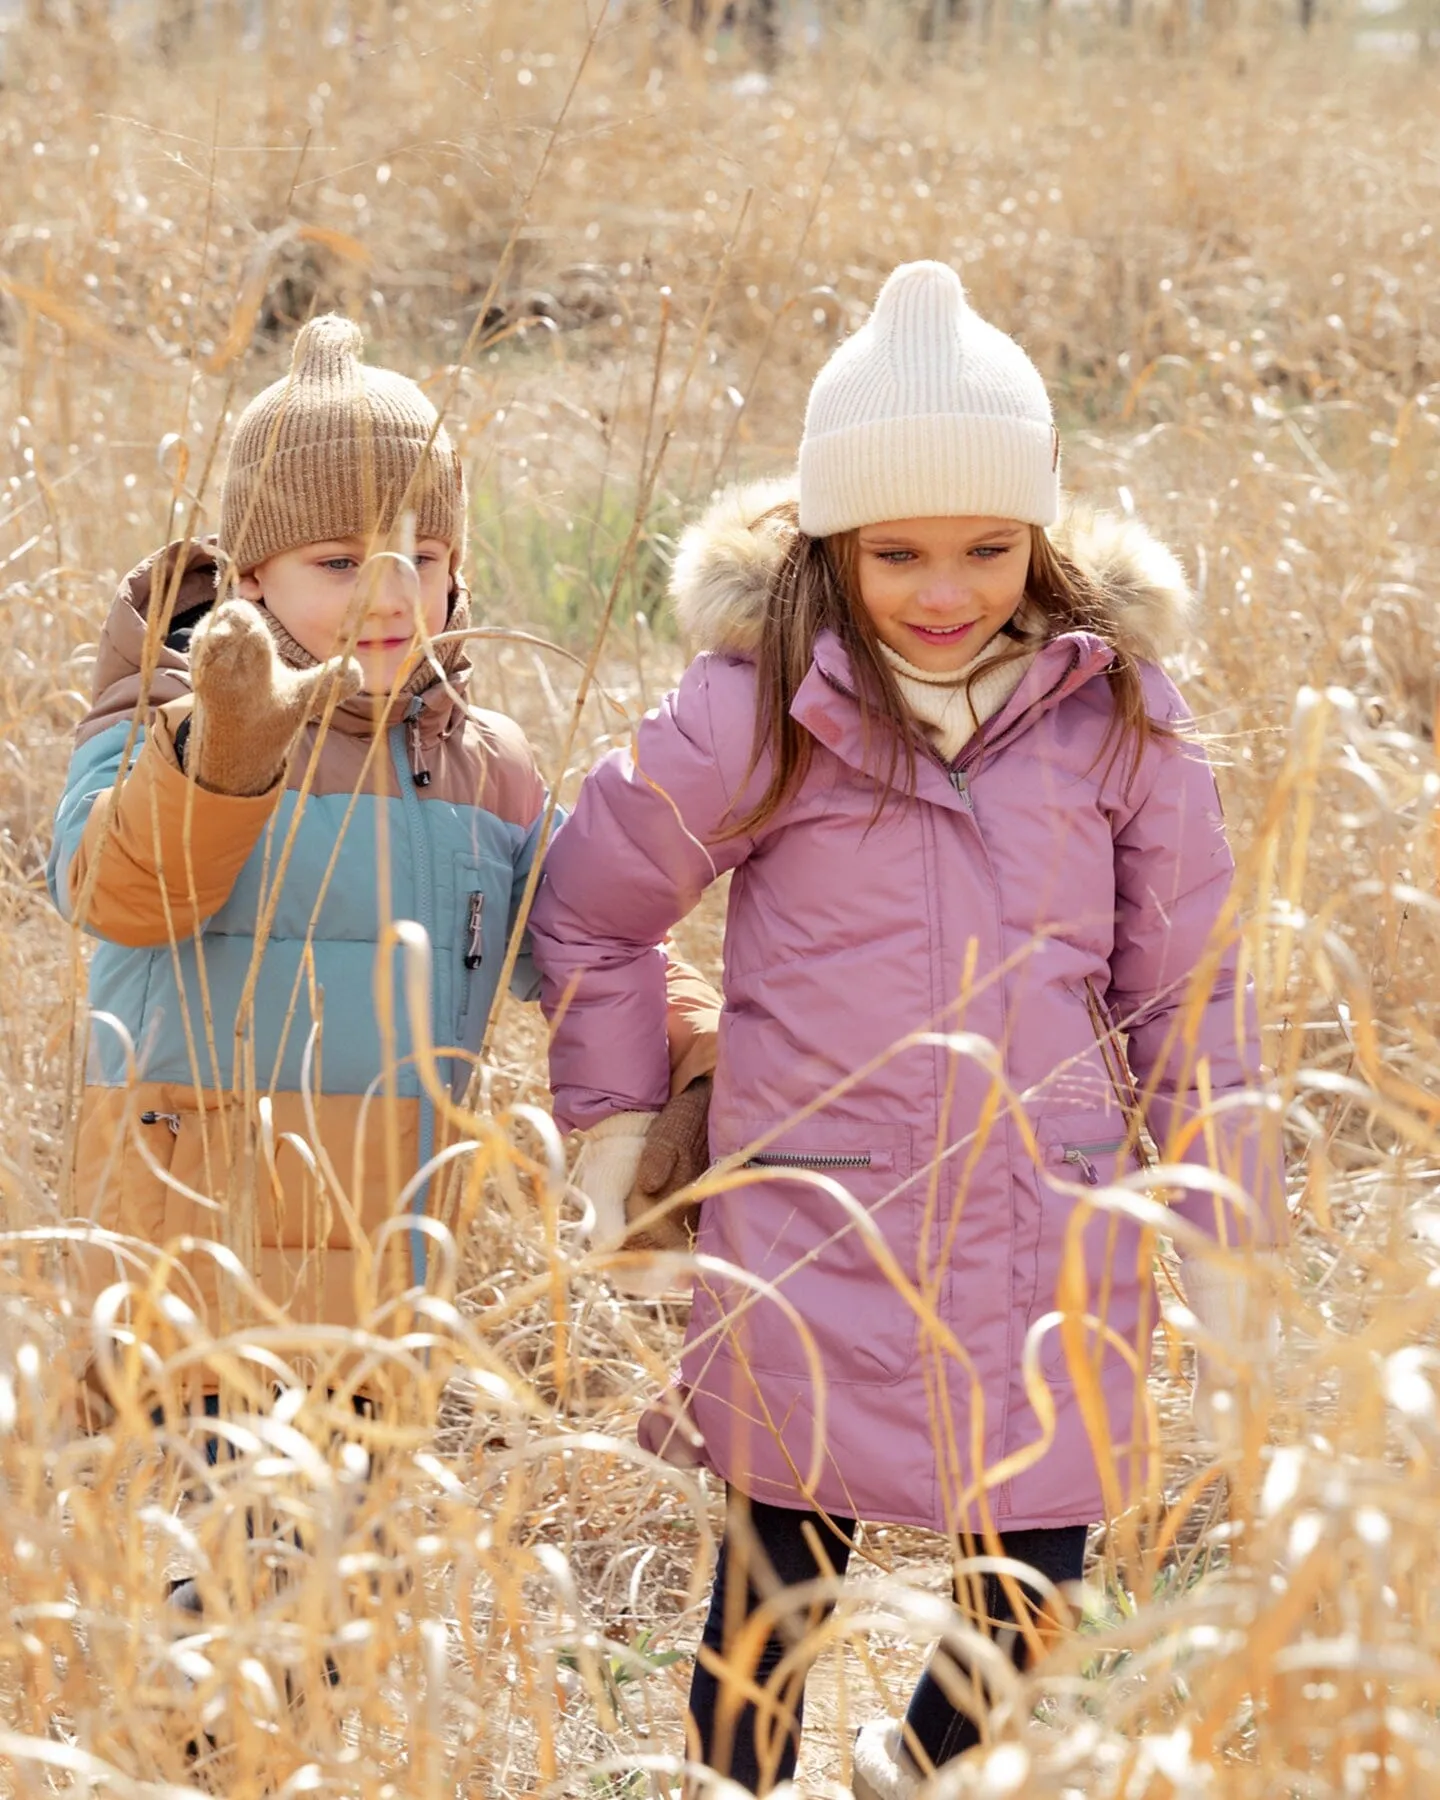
(340, 564)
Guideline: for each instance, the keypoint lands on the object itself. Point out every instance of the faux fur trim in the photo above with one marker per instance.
(724, 566)
(720, 582)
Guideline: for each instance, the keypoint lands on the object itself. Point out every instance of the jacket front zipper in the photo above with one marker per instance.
(425, 919)
(800, 1159)
(162, 1118)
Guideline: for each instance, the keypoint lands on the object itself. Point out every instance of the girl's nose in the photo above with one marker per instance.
(941, 594)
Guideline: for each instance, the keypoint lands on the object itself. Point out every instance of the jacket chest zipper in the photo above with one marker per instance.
(407, 779)
(798, 1159)
(475, 926)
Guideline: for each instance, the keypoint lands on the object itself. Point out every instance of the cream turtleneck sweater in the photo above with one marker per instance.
(952, 707)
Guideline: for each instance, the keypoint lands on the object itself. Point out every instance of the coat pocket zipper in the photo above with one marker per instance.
(1080, 1155)
(162, 1118)
(475, 949)
(800, 1159)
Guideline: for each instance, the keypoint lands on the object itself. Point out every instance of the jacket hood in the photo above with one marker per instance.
(727, 560)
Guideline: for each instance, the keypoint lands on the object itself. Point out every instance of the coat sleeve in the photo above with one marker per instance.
(525, 981)
(1175, 988)
(646, 839)
(142, 854)
(692, 1006)
(692, 1023)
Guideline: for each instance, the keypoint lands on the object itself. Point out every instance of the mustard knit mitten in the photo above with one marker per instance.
(249, 706)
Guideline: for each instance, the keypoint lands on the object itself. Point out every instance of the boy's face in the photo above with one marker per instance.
(318, 590)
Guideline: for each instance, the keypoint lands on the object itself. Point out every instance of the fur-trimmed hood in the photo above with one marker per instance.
(727, 560)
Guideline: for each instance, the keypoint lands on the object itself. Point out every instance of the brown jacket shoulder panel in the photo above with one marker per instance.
(510, 785)
(141, 605)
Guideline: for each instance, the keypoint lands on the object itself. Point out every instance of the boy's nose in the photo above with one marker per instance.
(393, 594)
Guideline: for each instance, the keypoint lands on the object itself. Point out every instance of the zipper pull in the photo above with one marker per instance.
(159, 1118)
(1088, 1173)
(960, 782)
(418, 769)
(475, 951)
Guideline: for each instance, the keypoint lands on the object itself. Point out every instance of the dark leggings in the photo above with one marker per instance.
(766, 1548)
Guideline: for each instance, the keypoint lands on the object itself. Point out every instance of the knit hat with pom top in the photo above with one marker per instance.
(927, 412)
(334, 450)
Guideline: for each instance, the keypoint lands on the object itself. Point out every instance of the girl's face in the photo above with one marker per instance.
(937, 590)
(315, 591)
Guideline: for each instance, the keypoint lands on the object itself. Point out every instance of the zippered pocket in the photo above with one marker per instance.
(475, 930)
(797, 1222)
(810, 1159)
(1110, 1243)
(1082, 1156)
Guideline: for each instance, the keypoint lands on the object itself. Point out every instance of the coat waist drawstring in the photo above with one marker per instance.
(419, 768)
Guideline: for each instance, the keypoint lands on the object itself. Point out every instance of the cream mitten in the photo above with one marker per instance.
(881, 1768)
(605, 1172)
(249, 706)
(1234, 1311)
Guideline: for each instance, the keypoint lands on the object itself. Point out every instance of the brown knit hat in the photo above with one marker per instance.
(332, 451)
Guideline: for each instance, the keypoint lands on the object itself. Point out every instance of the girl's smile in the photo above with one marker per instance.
(941, 634)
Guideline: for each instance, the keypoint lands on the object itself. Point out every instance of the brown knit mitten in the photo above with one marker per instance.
(249, 707)
(677, 1152)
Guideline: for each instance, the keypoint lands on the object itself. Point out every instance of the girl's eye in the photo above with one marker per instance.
(988, 552)
(896, 556)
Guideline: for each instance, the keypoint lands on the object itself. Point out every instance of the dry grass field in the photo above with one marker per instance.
(616, 253)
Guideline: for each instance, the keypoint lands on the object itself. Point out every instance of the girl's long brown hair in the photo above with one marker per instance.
(816, 588)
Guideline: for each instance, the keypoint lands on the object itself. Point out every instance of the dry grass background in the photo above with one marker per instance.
(1222, 249)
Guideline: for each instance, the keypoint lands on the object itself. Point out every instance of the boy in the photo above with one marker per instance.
(300, 778)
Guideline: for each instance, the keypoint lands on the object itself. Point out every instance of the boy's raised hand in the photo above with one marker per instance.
(249, 706)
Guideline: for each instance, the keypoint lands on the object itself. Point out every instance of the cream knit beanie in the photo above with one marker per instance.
(332, 451)
(927, 412)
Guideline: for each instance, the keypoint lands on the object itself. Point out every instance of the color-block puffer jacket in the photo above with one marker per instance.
(437, 822)
(910, 1024)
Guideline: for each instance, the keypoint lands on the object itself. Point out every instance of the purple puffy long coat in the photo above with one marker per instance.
(928, 973)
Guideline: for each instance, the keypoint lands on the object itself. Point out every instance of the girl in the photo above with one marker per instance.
(970, 842)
